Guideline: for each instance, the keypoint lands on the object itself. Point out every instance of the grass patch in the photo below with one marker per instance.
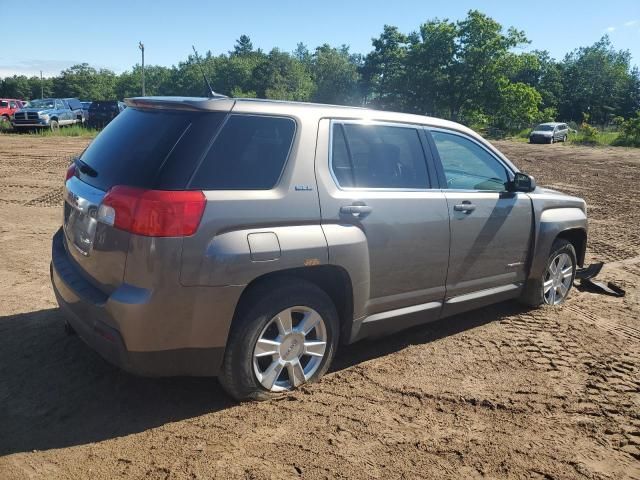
(600, 138)
(71, 131)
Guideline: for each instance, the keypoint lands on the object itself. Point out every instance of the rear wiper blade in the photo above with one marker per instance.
(86, 169)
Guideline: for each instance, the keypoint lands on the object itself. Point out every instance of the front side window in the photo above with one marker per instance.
(249, 153)
(378, 156)
(468, 166)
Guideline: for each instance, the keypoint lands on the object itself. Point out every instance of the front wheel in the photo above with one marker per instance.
(559, 274)
(54, 125)
(556, 282)
(283, 336)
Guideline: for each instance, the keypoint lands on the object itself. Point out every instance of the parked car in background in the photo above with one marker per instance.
(9, 106)
(101, 112)
(248, 238)
(48, 113)
(78, 110)
(85, 109)
(549, 133)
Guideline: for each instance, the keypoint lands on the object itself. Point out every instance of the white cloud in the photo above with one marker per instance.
(631, 23)
(32, 67)
(611, 29)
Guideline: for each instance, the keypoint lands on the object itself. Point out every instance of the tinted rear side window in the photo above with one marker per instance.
(378, 156)
(249, 154)
(149, 149)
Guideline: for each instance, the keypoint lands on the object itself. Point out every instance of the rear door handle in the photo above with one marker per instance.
(356, 210)
(466, 207)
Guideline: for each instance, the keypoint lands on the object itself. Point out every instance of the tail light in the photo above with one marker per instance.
(71, 172)
(153, 213)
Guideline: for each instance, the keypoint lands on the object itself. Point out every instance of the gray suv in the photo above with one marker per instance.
(247, 239)
(550, 132)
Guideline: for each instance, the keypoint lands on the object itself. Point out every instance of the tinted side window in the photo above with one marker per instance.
(468, 166)
(248, 154)
(378, 156)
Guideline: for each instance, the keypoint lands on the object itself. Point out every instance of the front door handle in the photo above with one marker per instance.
(357, 210)
(466, 207)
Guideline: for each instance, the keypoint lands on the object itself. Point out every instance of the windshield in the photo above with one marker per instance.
(45, 103)
(544, 128)
(4, 103)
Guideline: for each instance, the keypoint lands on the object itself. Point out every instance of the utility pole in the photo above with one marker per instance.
(141, 47)
(41, 85)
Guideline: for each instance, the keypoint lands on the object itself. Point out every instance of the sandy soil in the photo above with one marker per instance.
(502, 392)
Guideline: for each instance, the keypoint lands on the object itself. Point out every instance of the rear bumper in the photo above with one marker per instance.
(95, 318)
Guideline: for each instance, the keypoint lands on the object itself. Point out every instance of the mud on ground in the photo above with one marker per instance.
(503, 392)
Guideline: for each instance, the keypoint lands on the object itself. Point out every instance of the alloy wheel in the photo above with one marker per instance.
(557, 279)
(290, 349)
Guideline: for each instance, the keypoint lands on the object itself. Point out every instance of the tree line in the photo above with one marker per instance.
(471, 71)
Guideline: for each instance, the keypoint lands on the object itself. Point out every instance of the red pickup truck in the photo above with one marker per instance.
(9, 106)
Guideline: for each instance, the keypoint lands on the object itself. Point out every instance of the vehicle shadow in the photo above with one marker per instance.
(56, 392)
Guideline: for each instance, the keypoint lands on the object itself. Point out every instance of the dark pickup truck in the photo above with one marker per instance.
(101, 112)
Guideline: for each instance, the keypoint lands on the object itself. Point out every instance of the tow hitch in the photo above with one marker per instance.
(586, 276)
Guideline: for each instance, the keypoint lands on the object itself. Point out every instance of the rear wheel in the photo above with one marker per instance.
(54, 125)
(282, 337)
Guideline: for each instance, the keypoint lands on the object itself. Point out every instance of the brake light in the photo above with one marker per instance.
(71, 172)
(153, 213)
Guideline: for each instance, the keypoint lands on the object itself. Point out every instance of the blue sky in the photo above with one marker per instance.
(50, 36)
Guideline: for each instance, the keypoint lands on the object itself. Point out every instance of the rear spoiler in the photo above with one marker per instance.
(215, 104)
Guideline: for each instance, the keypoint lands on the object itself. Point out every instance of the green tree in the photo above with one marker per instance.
(384, 70)
(282, 77)
(596, 81)
(518, 108)
(335, 75)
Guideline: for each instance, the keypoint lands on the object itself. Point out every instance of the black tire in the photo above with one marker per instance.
(256, 311)
(564, 139)
(551, 140)
(533, 294)
(54, 125)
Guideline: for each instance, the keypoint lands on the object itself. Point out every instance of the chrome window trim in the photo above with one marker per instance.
(412, 126)
(508, 169)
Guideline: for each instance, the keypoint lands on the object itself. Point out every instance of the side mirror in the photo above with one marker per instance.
(522, 183)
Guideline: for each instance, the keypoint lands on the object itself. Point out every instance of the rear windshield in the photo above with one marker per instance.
(148, 149)
(165, 149)
(3, 103)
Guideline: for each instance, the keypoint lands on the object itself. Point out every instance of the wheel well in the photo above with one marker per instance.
(578, 238)
(333, 280)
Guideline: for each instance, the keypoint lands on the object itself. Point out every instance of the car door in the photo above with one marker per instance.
(375, 186)
(490, 228)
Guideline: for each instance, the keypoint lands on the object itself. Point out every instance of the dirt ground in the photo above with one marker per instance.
(503, 392)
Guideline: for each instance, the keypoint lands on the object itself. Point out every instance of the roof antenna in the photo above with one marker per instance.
(210, 92)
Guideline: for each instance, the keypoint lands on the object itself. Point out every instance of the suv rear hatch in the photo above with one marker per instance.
(144, 155)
